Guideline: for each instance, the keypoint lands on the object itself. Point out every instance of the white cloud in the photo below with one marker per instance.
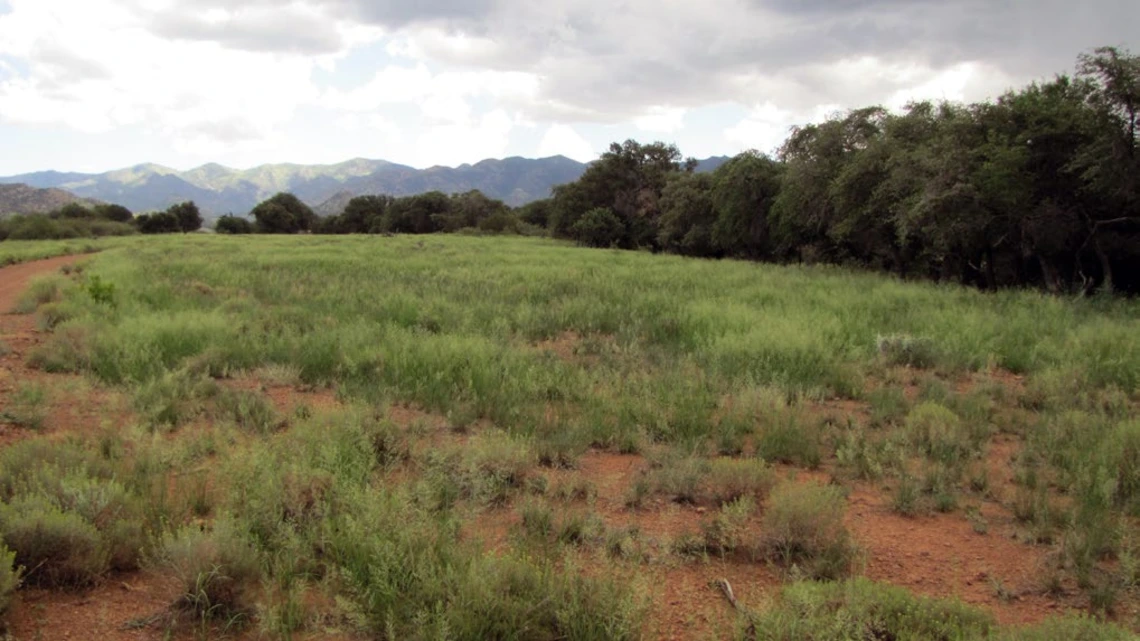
(191, 91)
(767, 126)
(665, 120)
(456, 144)
(562, 140)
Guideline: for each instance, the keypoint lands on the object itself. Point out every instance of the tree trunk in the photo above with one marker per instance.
(1106, 284)
(1049, 273)
(991, 277)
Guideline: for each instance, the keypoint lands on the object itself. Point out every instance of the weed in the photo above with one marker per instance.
(27, 406)
(250, 411)
(904, 349)
(888, 406)
(804, 528)
(56, 548)
(623, 543)
(939, 434)
(537, 519)
(101, 292)
(9, 581)
(575, 487)
(860, 609)
(908, 496)
(977, 520)
(732, 479)
(41, 291)
(728, 530)
(680, 478)
(217, 570)
(788, 440)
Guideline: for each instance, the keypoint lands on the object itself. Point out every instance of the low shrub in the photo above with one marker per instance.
(41, 291)
(862, 609)
(732, 479)
(59, 549)
(788, 440)
(218, 572)
(728, 530)
(904, 349)
(804, 530)
(9, 581)
(939, 434)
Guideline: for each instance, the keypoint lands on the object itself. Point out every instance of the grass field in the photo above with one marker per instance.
(506, 438)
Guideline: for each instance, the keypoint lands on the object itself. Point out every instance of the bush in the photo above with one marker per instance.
(787, 440)
(939, 434)
(598, 227)
(729, 529)
(41, 227)
(732, 479)
(861, 609)
(9, 581)
(904, 349)
(218, 571)
(234, 225)
(1122, 450)
(41, 291)
(804, 528)
(59, 549)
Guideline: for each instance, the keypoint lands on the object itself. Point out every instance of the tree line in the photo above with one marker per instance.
(1040, 187)
(425, 213)
(76, 220)
(1037, 188)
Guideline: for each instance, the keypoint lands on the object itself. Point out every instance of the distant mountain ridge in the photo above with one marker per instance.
(19, 198)
(218, 190)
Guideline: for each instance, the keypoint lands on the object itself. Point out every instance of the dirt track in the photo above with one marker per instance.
(14, 279)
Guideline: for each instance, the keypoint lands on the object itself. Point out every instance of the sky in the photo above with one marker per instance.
(94, 85)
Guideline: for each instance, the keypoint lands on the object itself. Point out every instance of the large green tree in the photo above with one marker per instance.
(284, 213)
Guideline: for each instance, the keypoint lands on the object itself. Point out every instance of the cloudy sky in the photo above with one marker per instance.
(91, 85)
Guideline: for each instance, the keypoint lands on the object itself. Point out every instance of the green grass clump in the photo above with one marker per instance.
(789, 440)
(732, 479)
(861, 609)
(904, 349)
(939, 434)
(804, 531)
(42, 290)
(27, 406)
(728, 530)
(218, 571)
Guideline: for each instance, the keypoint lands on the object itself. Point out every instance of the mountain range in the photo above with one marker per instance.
(219, 190)
(23, 199)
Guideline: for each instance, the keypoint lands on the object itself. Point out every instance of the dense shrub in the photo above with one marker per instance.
(234, 225)
(43, 227)
(598, 227)
(59, 549)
